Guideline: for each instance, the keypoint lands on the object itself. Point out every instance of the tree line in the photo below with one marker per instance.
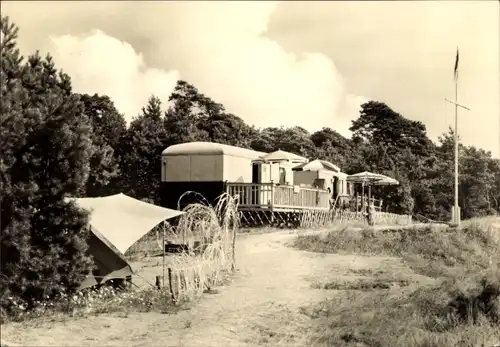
(56, 143)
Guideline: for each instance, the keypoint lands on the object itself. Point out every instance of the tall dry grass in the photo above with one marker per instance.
(462, 309)
(213, 229)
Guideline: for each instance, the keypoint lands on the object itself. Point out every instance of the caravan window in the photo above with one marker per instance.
(349, 188)
(282, 175)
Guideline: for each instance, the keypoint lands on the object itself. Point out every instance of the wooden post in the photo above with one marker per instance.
(273, 192)
(172, 294)
(369, 195)
(163, 265)
(370, 216)
(183, 281)
(234, 244)
(363, 197)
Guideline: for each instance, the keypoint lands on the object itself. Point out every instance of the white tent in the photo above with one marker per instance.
(281, 156)
(123, 220)
(317, 165)
(365, 177)
(370, 178)
(386, 181)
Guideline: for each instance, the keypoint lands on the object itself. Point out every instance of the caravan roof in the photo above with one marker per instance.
(210, 148)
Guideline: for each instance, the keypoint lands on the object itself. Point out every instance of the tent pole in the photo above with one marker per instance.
(163, 266)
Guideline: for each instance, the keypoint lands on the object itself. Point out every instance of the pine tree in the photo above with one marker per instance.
(140, 152)
(108, 128)
(153, 109)
(46, 146)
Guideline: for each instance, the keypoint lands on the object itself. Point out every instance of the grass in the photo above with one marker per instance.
(461, 309)
(361, 284)
(432, 251)
(93, 302)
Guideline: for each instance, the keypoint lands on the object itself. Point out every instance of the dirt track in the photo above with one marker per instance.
(260, 307)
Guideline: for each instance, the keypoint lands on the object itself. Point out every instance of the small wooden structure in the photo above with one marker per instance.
(369, 179)
(278, 199)
(270, 203)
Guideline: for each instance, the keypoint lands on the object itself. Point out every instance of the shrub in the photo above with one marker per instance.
(105, 299)
(46, 146)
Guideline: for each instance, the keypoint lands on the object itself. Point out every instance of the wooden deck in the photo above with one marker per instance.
(275, 197)
(295, 206)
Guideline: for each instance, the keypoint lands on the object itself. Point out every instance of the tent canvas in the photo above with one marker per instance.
(123, 220)
(370, 178)
(281, 156)
(109, 263)
(317, 165)
(116, 223)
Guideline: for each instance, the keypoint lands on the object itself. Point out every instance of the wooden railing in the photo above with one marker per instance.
(360, 202)
(356, 203)
(294, 196)
(271, 195)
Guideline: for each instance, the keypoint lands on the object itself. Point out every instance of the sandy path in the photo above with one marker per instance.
(496, 224)
(261, 306)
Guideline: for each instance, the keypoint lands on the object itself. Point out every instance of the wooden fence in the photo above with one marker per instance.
(188, 282)
(189, 275)
(317, 219)
(385, 218)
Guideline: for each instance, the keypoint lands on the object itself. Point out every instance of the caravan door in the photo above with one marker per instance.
(256, 179)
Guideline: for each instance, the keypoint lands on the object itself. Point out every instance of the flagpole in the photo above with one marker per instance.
(455, 213)
(457, 208)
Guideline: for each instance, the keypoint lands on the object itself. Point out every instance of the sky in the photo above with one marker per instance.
(282, 63)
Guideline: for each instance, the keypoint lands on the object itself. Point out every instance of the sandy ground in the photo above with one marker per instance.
(260, 307)
(496, 225)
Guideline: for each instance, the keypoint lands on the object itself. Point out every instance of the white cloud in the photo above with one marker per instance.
(403, 53)
(217, 46)
(232, 53)
(98, 63)
(252, 75)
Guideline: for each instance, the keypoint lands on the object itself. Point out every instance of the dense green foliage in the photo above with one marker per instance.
(56, 143)
(46, 147)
